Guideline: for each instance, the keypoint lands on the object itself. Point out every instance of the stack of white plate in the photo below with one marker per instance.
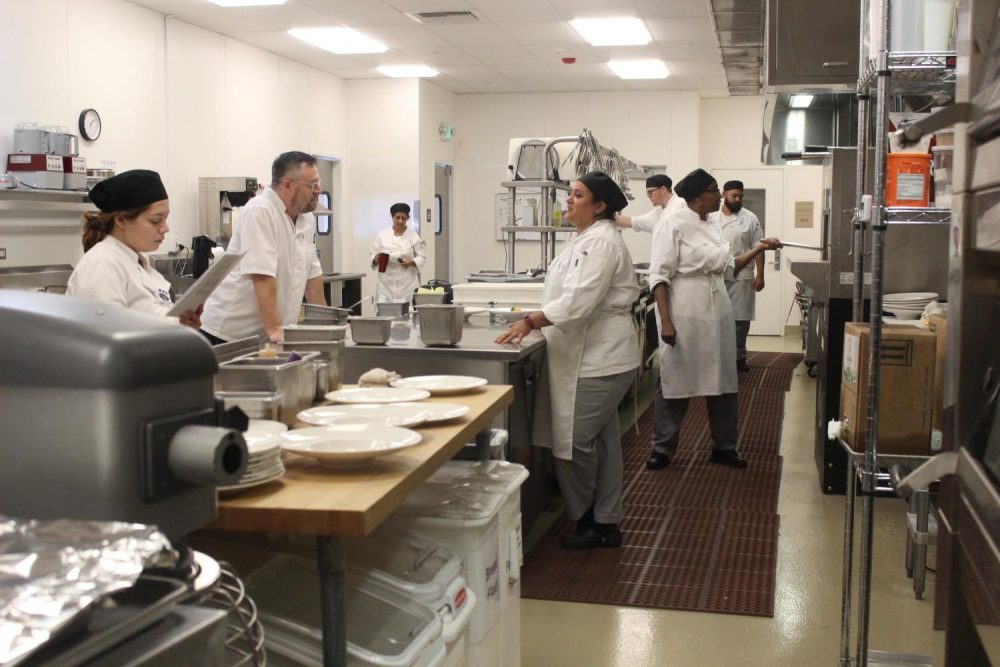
(907, 305)
(263, 456)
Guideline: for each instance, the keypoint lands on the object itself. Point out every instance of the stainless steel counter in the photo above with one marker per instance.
(477, 343)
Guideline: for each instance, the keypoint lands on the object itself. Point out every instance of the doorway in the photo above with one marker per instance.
(442, 221)
(764, 195)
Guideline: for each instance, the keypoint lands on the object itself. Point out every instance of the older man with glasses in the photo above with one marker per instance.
(277, 231)
(659, 189)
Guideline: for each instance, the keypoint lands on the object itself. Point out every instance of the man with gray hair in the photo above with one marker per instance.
(277, 231)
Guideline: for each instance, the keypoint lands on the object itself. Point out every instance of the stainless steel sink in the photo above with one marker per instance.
(815, 274)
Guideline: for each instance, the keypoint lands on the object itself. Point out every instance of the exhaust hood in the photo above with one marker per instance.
(830, 119)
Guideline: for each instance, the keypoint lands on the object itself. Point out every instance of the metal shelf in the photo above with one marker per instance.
(915, 72)
(559, 185)
(45, 201)
(916, 215)
(542, 229)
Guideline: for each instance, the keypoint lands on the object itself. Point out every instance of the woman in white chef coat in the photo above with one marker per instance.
(688, 263)
(132, 220)
(592, 355)
(406, 256)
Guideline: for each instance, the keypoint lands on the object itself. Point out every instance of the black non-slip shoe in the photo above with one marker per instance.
(657, 461)
(593, 537)
(742, 366)
(727, 457)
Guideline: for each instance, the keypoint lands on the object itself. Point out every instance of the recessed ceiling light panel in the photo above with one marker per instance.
(639, 69)
(339, 40)
(613, 31)
(801, 101)
(407, 71)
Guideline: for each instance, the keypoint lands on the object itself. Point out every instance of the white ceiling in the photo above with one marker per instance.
(516, 47)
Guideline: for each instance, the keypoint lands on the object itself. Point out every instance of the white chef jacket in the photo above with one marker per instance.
(691, 257)
(398, 282)
(274, 246)
(111, 272)
(647, 221)
(743, 232)
(589, 290)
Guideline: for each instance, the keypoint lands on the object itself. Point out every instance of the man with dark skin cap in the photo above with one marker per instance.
(743, 231)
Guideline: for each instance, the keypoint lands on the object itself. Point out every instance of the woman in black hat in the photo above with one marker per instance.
(592, 354)
(132, 220)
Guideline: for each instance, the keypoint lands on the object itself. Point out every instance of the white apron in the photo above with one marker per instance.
(398, 282)
(692, 257)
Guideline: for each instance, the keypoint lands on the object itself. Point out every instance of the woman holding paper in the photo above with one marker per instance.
(132, 220)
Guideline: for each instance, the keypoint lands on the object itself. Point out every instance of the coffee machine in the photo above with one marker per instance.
(219, 202)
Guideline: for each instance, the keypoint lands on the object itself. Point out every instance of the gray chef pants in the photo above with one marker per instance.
(594, 477)
(722, 419)
(742, 331)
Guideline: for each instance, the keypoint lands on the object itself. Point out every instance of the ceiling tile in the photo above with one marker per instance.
(275, 41)
(502, 55)
(283, 17)
(648, 84)
(671, 52)
(689, 31)
(357, 73)
(696, 68)
(217, 19)
(428, 5)
(598, 84)
(714, 92)
(570, 9)
(580, 70)
(454, 85)
(472, 34)
(442, 56)
(541, 32)
(405, 36)
(360, 14)
(527, 70)
(553, 53)
(546, 85)
(469, 72)
(515, 10)
(606, 53)
(495, 86)
(664, 9)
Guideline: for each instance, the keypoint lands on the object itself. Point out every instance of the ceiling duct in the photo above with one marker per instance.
(739, 26)
(444, 16)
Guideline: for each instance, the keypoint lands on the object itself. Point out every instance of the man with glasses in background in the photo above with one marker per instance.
(659, 189)
(277, 231)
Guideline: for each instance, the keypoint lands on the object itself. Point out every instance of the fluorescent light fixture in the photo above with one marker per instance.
(246, 3)
(407, 71)
(339, 40)
(639, 69)
(612, 31)
(801, 101)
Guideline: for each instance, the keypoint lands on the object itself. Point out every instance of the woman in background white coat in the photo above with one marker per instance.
(688, 262)
(406, 255)
(592, 355)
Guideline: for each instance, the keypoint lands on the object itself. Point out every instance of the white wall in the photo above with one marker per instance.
(437, 106)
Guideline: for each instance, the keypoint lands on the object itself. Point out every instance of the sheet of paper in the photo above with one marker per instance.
(198, 293)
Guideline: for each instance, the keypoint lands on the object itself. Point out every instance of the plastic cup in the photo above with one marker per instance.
(383, 261)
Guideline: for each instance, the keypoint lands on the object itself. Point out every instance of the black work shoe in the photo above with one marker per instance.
(727, 457)
(657, 461)
(586, 521)
(593, 538)
(742, 366)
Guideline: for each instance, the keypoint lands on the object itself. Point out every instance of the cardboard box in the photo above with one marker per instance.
(907, 388)
(939, 325)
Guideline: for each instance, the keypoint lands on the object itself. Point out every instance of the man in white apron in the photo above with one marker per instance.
(742, 230)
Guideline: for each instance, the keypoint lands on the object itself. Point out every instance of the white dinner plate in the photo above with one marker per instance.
(376, 395)
(261, 444)
(440, 384)
(438, 412)
(348, 446)
(243, 485)
(900, 297)
(265, 426)
(905, 313)
(391, 414)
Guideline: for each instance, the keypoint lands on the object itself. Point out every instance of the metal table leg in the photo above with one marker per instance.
(483, 445)
(921, 507)
(846, 585)
(331, 557)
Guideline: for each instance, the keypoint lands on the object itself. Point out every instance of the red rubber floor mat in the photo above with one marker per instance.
(698, 536)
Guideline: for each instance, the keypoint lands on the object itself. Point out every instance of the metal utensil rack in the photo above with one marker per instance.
(887, 74)
(590, 156)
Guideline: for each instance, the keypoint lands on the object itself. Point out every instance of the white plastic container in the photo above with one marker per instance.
(474, 508)
(384, 627)
(420, 569)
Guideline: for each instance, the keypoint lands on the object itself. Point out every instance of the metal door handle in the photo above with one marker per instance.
(777, 259)
(835, 63)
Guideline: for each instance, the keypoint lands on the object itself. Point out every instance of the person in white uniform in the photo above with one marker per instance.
(591, 359)
(698, 352)
(277, 231)
(742, 230)
(659, 189)
(405, 255)
(132, 220)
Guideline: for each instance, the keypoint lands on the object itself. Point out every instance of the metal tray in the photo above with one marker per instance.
(111, 620)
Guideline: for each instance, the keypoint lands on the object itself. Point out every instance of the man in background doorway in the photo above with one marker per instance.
(659, 189)
(277, 231)
(742, 230)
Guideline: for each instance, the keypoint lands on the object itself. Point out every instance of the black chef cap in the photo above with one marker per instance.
(694, 184)
(732, 185)
(128, 190)
(399, 208)
(659, 181)
(606, 190)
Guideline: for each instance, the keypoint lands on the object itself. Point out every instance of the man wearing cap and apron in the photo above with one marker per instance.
(742, 230)
(659, 189)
